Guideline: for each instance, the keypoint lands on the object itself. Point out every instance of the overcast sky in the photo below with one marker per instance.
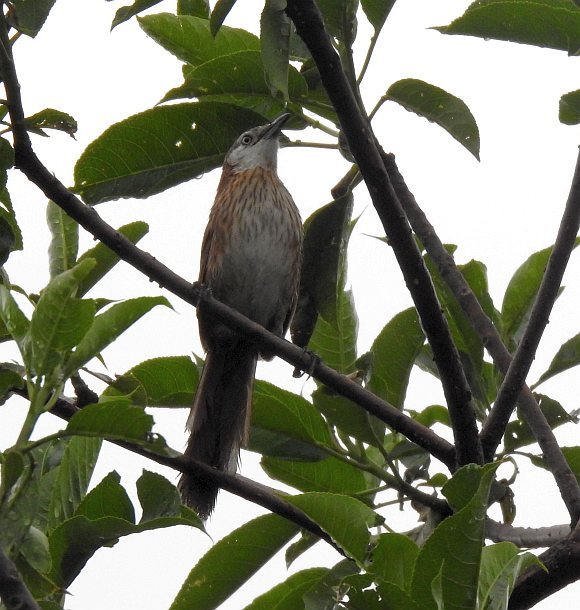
(499, 211)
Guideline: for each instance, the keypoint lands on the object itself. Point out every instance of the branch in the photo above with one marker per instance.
(562, 562)
(236, 484)
(13, 591)
(522, 360)
(89, 219)
(362, 143)
(565, 479)
(526, 537)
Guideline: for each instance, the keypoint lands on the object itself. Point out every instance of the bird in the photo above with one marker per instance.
(251, 258)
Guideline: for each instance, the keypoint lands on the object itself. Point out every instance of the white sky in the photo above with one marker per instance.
(499, 211)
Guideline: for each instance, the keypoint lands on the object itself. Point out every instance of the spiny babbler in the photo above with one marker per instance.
(250, 260)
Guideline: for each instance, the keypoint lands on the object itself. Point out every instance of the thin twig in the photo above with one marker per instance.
(565, 479)
(362, 144)
(498, 417)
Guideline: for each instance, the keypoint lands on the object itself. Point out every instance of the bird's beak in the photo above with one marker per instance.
(274, 128)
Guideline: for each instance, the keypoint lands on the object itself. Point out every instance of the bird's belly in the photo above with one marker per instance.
(257, 279)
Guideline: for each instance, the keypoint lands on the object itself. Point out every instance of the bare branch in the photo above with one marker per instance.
(362, 144)
(539, 318)
(565, 479)
(562, 563)
(526, 537)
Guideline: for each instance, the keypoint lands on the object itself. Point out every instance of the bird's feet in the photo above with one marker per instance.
(314, 361)
(203, 292)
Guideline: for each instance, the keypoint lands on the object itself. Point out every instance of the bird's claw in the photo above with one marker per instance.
(203, 292)
(314, 359)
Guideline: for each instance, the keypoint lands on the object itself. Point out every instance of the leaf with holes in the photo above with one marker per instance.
(159, 148)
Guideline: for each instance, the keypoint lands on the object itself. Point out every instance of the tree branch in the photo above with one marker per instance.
(13, 591)
(89, 219)
(498, 418)
(562, 562)
(565, 479)
(236, 484)
(362, 144)
(526, 537)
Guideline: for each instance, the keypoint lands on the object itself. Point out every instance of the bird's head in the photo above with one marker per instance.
(257, 147)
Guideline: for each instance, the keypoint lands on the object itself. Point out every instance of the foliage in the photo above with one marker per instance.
(345, 463)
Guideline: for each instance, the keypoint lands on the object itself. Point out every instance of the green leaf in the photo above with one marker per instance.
(64, 243)
(35, 550)
(344, 519)
(335, 343)
(347, 416)
(219, 14)
(567, 357)
(60, 320)
(455, 546)
(158, 497)
(377, 11)
(440, 107)
(393, 560)
(328, 475)
(238, 78)
(159, 148)
(322, 294)
(394, 353)
(197, 8)
(159, 382)
(49, 118)
(102, 518)
(30, 15)
(519, 434)
(275, 34)
(7, 239)
(72, 481)
(6, 154)
(340, 19)
(232, 561)
(288, 414)
(326, 235)
(570, 108)
(190, 39)
(544, 23)
(108, 326)
(113, 419)
(9, 380)
(11, 234)
(289, 595)
(126, 12)
(501, 565)
(105, 259)
(15, 321)
(521, 292)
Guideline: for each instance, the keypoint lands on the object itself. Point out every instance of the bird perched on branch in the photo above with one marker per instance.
(250, 260)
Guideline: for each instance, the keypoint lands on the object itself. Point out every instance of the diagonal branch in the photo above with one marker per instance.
(89, 219)
(565, 479)
(13, 591)
(362, 144)
(522, 360)
(236, 484)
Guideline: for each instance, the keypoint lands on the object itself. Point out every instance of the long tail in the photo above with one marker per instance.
(219, 421)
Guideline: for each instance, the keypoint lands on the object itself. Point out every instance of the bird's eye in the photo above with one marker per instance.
(247, 139)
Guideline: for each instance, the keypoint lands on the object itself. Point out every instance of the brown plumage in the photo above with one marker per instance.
(250, 259)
